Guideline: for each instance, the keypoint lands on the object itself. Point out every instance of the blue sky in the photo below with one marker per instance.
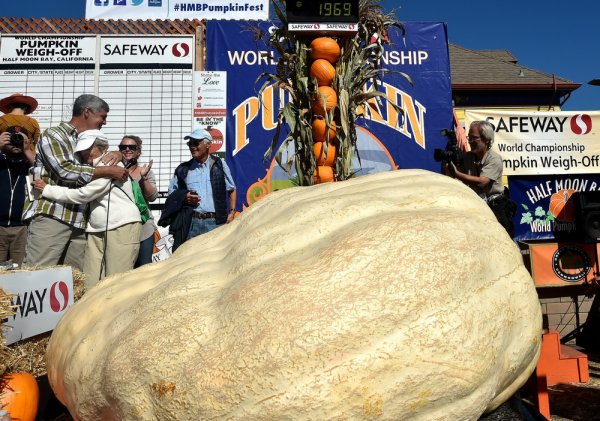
(554, 37)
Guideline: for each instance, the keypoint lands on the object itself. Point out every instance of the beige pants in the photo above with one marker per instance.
(53, 242)
(12, 243)
(111, 252)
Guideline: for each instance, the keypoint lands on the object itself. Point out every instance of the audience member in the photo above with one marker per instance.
(131, 148)
(114, 225)
(16, 109)
(199, 192)
(56, 233)
(15, 161)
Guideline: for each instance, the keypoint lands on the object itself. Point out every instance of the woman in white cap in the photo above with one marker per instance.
(114, 224)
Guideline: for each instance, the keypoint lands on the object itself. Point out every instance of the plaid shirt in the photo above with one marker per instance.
(55, 151)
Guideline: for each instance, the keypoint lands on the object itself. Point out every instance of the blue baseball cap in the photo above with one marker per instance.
(199, 134)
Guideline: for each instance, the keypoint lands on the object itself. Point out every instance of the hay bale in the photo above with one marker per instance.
(6, 310)
(29, 355)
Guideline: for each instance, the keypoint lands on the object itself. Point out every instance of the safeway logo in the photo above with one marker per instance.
(180, 49)
(581, 124)
(59, 296)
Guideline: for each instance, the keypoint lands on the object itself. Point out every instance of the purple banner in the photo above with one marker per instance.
(385, 141)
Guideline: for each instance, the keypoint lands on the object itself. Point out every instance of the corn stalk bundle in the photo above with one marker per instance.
(358, 73)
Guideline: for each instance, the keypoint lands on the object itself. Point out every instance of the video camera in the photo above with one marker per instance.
(451, 153)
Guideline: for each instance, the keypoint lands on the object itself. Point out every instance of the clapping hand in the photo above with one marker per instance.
(145, 169)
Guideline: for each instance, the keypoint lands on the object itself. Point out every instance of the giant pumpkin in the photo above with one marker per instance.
(393, 296)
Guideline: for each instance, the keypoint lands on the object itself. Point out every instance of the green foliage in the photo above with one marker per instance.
(358, 72)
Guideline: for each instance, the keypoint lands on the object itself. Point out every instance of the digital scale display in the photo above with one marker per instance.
(322, 11)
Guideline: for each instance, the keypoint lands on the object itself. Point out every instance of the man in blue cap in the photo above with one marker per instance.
(208, 186)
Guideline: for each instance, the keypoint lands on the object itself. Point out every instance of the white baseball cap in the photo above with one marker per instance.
(199, 134)
(86, 139)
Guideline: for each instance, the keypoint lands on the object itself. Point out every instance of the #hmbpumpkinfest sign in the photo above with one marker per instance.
(176, 9)
(387, 140)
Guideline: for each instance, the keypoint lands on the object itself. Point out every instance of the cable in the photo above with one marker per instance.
(105, 242)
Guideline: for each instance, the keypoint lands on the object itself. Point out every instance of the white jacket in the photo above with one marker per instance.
(121, 209)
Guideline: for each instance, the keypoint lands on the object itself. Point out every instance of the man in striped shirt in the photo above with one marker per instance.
(56, 233)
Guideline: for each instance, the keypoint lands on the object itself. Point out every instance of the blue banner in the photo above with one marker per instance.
(385, 142)
(545, 209)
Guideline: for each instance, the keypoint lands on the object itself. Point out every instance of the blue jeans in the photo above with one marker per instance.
(201, 226)
(145, 253)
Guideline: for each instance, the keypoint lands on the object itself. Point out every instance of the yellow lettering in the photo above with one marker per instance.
(268, 107)
(392, 93)
(416, 123)
(243, 115)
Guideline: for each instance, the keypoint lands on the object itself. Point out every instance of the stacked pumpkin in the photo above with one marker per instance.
(325, 52)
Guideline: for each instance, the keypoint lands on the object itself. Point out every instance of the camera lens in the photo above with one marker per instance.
(16, 139)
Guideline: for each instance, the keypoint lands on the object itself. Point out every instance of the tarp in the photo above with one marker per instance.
(385, 141)
(176, 9)
(553, 142)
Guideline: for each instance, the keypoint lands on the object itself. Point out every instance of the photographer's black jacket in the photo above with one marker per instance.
(13, 185)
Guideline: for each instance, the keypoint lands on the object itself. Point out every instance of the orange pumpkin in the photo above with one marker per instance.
(325, 48)
(320, 129)
(561, 205)
(323, 174)
(323, 159)
(20, 396)
(323, 71)
(326, 96)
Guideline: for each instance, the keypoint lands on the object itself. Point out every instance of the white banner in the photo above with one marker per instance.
(40, 298)
(553, 142)
(177, 9)
(210, 107)
(148, 50)
(35, 49)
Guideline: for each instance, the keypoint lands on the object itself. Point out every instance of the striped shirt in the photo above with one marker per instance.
(55, 151)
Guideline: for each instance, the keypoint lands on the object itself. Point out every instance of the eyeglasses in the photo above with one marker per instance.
(130, 147)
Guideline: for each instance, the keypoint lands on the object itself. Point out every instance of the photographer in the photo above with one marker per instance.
(481, 169)
(16, 109)
(15, 160)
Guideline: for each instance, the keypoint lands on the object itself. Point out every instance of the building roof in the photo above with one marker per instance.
(81, 26)
(498, 69)
(504, 55)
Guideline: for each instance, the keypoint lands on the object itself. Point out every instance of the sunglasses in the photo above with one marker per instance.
(130, 147)
(194, 143)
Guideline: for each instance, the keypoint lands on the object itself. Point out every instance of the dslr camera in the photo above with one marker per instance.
(16, 136)
(451, 153)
